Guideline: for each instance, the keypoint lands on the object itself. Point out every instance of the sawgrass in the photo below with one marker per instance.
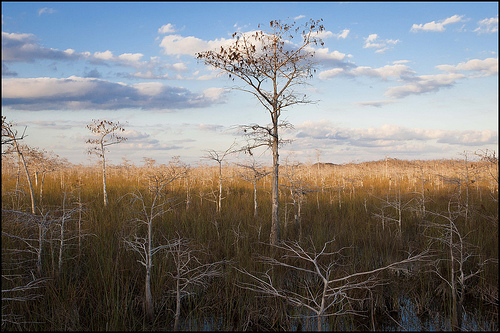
(102, 287)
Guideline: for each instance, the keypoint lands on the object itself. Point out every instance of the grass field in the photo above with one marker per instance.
(369, 215)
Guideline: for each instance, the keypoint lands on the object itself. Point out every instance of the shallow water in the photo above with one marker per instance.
(407, 320)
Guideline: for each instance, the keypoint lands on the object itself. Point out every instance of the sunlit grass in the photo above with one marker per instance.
(102, 287)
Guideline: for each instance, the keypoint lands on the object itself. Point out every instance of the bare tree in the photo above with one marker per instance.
(149, 208)
(66, 216)
(459, 261)
(492, 163)
(32, 244)
(462, 181)
(270, 69)
(22, 292)
(10, 137)
(318, 153)
(219, 156)
(298, 191)
(144, 245)
(397, 203)
(254, 174)
(105, 131)
(189, 272)
(421, 192)
(43, 162)
(318, 290)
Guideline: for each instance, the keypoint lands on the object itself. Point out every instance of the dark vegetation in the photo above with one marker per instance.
(372, 214)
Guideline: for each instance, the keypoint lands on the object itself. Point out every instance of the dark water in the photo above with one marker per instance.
(406, 320)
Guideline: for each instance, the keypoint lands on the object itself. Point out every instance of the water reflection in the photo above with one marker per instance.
(406, 320)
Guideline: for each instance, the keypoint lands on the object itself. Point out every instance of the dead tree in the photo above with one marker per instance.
(492, 163)
(147, 213)
(254, 174)
(462, 182)
(219, 156)
(398, 204)
(31, 244)
(421, 192)
(459, 259)
(189, 272)
(10, 137)
(20, 291)
(148, 208)
(66, 216)
(271, 66)
(318, 289)
(298, 191)
(106, 132)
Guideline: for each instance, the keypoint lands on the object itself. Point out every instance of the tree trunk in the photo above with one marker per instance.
(79, 221)
(454, 314)
(275, 227)
(178, 301)
(32, 195)
(41, 188)
(188, 194)
(149, 263)
(255, 199)
(41, 237)
(219, 203)
(149, 296)
(104, 177)
(63, 220)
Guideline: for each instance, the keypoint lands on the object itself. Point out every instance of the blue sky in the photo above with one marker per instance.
(407, 80)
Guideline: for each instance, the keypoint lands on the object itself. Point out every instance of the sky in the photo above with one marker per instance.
(406, 80)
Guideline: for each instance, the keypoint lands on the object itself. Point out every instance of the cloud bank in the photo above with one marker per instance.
(390, 135)
(76, 93)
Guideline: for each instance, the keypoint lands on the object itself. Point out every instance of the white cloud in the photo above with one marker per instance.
(167, 29)
(437, 26)
(423, 84)
(343, 34)
(381, 45)
(376, 104)
(149, 88)
(371, 38)
(469, 137)
(486, 67)
(390, 135)
(324, 34)
(323, 54)
(46, 10)
(126, 59)
(178, 45)
(133, 135)
(214, 94)
(106, 55)
(132, 58)
(487, 26)
(180, 67)
(210, 127)
(330, 73)
(328, 34)
(395, 71)
(299, 17)
(400, 62)
(150, 75)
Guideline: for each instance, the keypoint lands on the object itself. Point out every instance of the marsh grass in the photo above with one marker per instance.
(102, 287)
